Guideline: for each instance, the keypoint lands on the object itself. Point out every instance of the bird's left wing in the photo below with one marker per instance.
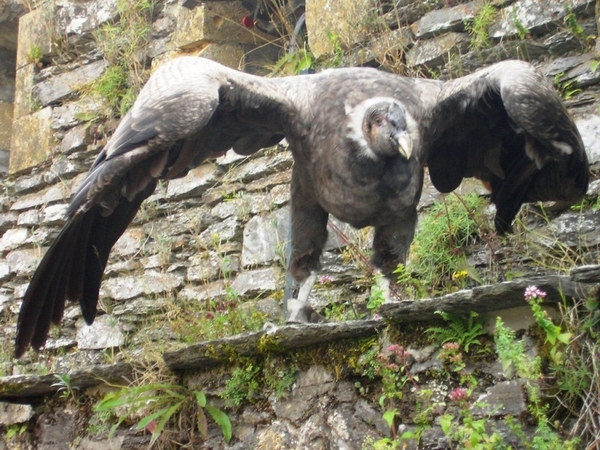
(508, 127)
(190, 109)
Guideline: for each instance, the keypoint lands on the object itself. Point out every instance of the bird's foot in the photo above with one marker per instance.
(383, 284)
(300, 312)
(270, 327)
(298, 309)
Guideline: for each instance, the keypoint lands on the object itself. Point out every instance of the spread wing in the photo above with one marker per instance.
(189, 110)
(508, 127)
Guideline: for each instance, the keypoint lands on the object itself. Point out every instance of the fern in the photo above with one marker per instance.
(464, 333)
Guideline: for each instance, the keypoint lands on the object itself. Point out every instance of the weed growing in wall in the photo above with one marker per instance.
(469, 423)
(164, 405)
(479, 26)
(438, 251)
(517, 364)
(575, 381)
(574, 27)
(522, 30)
(123, 46)
(195, 321)
(464, 333)
(249, 380)
(566, 88)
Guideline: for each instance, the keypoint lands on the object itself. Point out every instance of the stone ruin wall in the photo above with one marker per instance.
(234, 206)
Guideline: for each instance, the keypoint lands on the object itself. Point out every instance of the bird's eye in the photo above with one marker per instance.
(378, 120)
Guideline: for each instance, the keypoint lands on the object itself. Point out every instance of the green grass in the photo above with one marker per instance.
(123, 45)
(478, 28)
(439, 250)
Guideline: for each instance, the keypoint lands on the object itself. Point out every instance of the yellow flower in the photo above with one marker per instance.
(456, 276)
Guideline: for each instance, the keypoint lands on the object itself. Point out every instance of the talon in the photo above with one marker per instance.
(301, 312)
(298, 309)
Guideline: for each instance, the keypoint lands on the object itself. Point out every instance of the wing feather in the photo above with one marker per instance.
(508, 127)
(176, 121)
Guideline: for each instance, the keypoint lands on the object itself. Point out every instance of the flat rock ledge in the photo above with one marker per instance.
(582, 282)
(18, 386)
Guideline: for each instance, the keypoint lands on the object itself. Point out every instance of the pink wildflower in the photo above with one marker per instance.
(393, 367)
(532, 292)
(456, 359)
(325, 279)
(395, 348)
(459, 394)
(451, 346)
(398, 351)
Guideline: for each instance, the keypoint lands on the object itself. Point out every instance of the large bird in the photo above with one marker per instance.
(360, 139)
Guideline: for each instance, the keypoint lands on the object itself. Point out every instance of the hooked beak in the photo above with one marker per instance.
(404, 142)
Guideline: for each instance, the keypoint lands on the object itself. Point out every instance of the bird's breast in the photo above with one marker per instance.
(363, 193)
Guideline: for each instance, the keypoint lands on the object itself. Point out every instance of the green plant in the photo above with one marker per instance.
(34, 54)
(522, 30)
(65, 386)
(280, 379)
(123, 44)
(511, 353)
(370, 443)
(377, 297)
(393, 368)
(15, 430)
(470, 432)
(293, 63)
(161, 404)
(452, 356)
(565, 88)
(337, 53)
(516, 363)
(192, 321)
(410, 285)
(339, 312)
(554, 334)
(99, 423)
(113, 86)
(33, 102)
(572, 24)
(588, 202)
(464, 332)
(438, 250)
(243, 386)
(575, 380)
(478, 27)
(6, 359)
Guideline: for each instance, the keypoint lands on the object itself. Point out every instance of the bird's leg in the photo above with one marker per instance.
(390, 248)
(382, 283)
(299, 311)
(308, 236)
(306, 286)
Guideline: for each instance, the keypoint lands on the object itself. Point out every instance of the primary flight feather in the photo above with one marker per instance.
(360, 139)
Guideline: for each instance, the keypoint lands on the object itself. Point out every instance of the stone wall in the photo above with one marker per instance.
(221, 230)
(9, 18)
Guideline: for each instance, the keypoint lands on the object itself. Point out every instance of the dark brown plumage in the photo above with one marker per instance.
(360, 139)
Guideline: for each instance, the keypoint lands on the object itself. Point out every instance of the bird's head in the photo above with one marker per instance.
(380, 127)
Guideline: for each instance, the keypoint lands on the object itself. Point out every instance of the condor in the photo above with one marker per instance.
(360, 139)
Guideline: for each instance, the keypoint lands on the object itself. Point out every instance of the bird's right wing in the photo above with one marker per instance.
(190, 109)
